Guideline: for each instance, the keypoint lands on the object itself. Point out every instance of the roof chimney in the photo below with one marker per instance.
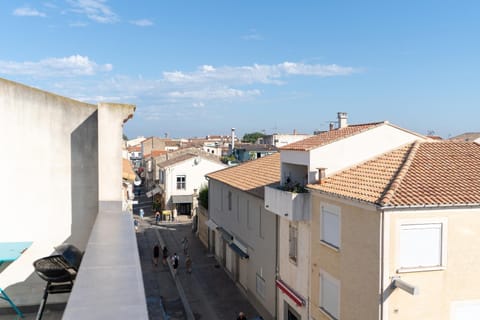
(233, 139)
(331, 126)
(294, 131)
(321, 175)
(342, 119)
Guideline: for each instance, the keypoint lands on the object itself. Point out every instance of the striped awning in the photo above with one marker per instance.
(298, 299)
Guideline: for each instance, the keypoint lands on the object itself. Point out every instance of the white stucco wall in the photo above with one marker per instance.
(194, 171)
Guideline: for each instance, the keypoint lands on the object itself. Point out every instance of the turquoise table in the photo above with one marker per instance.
(10, 251)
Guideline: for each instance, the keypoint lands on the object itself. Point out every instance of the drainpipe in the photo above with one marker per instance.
(276, 264)
(382, 264)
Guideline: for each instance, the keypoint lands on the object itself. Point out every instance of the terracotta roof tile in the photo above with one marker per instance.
(251, 176)
(176, 160)
(419, 174)
(327, 137)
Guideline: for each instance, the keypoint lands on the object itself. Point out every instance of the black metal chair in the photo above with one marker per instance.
(59, 270)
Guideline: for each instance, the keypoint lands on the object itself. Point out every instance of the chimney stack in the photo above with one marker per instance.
(294, 131)
(342, 119)
(332, 126)
(321, 175)
(233, 139)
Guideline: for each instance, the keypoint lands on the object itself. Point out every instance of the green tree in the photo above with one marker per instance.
(203, 197)
(252, 137)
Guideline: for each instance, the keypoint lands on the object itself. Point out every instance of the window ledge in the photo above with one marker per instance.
(331, 246)
(421, 269)
(325, 312)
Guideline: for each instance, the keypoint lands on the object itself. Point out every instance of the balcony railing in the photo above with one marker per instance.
(289, 205)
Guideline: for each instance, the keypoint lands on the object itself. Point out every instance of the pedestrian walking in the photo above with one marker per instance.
(157, 217)
(135, 224)
(185, 244)
(141, 213)
(175, 263)
(165, 255)
(241, 316)
(156, 254)
(188, 264)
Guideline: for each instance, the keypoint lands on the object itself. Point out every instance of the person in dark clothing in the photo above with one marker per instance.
(175, 263)
(156, 254)
(241, 316)
(165, 255)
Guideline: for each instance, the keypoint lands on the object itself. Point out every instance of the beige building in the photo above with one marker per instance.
(304, 162)
(242, 233)
(396, 237)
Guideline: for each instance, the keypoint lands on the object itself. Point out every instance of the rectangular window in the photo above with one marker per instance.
(229, 200)
(260, 286)
(329, 295)
(181, 182)
(330, 225)
(293, 241)
(421, 245)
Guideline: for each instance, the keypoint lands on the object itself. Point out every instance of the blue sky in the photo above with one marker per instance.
(201, 67)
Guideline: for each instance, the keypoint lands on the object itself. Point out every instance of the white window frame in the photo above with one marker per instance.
(333, 210)
(260, 286)
(411, 224)
(325, 277)
(180, 183)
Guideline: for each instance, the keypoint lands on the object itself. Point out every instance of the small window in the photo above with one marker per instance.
(229, 200)
(421, 245)
(293, 241)
(181, 182)
(330, 225)
(162, 176)
(329, 295)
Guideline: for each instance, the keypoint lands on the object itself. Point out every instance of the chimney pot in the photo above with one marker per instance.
(332, 126)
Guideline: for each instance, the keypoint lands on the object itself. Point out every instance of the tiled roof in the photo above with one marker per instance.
(467, 136)
(419, 174)
(170, 162)
(327, 137)
(155, 153)
(251, 176)
(136, 148)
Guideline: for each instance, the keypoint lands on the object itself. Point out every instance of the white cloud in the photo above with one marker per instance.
(95, 10)
(55, 67)
(28, 12)
(213, 93)
(142, 22)
(266, 74)
(198, 104)
(78, 24)
(252, 35)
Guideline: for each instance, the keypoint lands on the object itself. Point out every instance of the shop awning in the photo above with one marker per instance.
(298, 299)
(182, 198)
(225, 235)
(211, 224)
(238, 251)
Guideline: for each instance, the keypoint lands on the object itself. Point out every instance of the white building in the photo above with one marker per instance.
(182, 177)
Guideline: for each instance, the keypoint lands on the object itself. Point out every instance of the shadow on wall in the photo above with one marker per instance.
(84, 183)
